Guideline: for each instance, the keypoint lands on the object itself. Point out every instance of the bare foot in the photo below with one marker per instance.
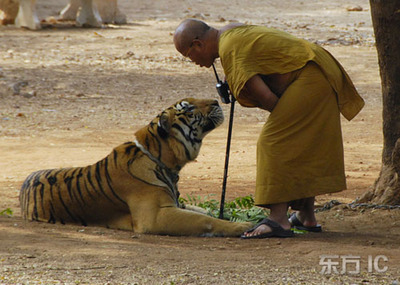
(269, 228)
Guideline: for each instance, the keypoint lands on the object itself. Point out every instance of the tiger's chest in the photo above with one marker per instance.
(148, 171)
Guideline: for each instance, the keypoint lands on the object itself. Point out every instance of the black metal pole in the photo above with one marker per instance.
(228, 147)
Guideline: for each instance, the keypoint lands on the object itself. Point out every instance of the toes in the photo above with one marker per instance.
(262, 229)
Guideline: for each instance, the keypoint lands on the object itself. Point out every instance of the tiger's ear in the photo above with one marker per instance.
(163, 126)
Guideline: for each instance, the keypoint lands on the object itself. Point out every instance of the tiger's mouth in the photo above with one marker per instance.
(214, 119)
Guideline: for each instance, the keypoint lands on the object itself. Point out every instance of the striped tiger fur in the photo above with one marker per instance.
(135, 186)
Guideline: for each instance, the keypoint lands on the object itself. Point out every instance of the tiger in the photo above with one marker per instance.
(135, 187)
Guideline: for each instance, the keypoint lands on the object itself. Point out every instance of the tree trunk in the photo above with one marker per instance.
(386, 22)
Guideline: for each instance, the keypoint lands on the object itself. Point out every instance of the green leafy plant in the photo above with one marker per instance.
(207, 203)
(7, 212)
(241, 209)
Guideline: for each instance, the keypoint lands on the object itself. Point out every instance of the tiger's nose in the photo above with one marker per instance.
(215, 103)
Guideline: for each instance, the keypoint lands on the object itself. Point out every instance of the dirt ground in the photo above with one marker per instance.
(69, 95)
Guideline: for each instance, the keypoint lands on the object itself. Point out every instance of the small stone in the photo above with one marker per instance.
(29, 94)
(354, 8)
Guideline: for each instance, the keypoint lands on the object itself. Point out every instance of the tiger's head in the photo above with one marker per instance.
(182, 127)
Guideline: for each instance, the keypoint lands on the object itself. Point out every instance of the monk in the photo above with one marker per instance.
(300, 148)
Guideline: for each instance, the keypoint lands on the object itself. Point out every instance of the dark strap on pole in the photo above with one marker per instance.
(228, 147)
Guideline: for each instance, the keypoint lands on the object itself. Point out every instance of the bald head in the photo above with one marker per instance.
(187, 31)
(197, 41)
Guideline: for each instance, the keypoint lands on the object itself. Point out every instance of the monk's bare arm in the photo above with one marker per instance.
(261, 93)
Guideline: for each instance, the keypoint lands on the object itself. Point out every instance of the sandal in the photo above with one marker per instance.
(277, 231)
(298, 225)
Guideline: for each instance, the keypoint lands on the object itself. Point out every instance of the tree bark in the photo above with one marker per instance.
(386, 21)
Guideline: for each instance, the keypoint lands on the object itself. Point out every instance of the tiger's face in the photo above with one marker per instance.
(188, 121)
(191, 118)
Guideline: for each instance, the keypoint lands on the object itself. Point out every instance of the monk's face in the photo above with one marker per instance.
(198, 52)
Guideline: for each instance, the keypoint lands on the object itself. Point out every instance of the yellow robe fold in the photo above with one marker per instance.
(300, 148)
(249, 50)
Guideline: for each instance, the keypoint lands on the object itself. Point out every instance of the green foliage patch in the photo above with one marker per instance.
(7, 212)
(241, 209)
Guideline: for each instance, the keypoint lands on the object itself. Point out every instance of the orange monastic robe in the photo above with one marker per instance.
(300, 148)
